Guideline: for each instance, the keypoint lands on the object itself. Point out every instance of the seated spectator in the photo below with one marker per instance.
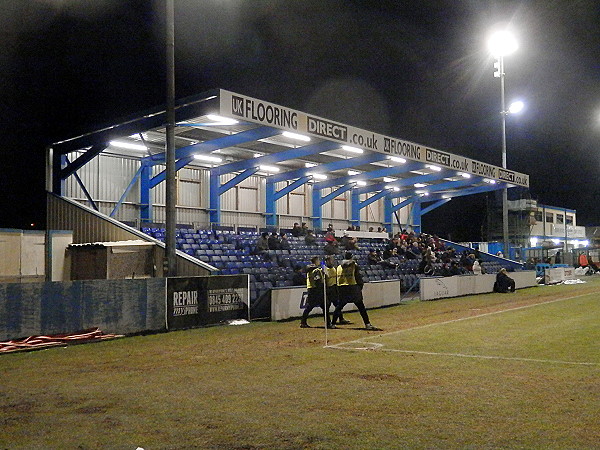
(331, 248)
(262, 244)
(582, 260)
(330, 236)
(380, 230)
(310, 238)
(386, 260)
(504, 283)
(299, 277)
(373, 258)
(284, 243)
(454, 269)
(303, 229)
(273, 241)
(478, 268)
(296, 230)
(371, 229)
(349, 243)
(330, 228)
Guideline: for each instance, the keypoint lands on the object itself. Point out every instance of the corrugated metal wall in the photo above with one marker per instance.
(107, 176)
(90, 227)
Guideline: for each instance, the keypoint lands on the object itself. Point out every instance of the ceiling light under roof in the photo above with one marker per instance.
(309, 165)
(489, 181)
(398, 160)
(273, 169)
(318, 176)
(464, 175)
(129, 145)
(298, 137)
(434, 168)
(361, 183)
(420, 185)
(208, 158)
(422, 192)
(351, 149)
(219, 120)
(389, 179)
(351, 173)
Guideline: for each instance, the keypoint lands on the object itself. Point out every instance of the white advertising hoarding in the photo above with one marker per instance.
(249, 109)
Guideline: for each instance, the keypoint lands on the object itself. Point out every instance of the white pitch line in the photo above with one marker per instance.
(362, 340)
(379, 347)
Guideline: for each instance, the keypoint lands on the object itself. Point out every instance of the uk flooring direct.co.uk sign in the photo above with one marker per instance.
(199, 301)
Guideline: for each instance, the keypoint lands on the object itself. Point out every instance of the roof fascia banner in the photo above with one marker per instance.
(250, 109)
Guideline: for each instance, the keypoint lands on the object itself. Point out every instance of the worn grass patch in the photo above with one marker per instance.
(273, 385)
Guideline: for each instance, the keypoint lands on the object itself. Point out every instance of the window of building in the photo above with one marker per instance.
(550, 217)
(560, 218)
(537, 216)
(569, 220)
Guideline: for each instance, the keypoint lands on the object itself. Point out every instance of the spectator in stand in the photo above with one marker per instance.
(330, 228)
(349, 243)
(284, 243)
(330, 236)
(303, 229)
(371, 229)
(274, 242)
(262, 244)
(310, 238)
(296, 230)
(478, 268)
(373, 258)
(331, 248)
(299, 277)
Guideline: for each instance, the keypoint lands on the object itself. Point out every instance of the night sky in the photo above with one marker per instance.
(417, 70)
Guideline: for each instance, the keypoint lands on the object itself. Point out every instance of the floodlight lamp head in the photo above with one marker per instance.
(502, 43)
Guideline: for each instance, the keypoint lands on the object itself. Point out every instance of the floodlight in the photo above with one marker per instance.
(298, 137)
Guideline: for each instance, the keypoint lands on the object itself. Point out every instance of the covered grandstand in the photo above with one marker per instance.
(244, 166)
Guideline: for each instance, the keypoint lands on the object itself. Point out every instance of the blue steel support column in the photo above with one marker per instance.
(58, 163)
(215, 197)
(387, 212)
(271, 208)
(355, 208)
(416, 215)
(145, 202)
(317, 215)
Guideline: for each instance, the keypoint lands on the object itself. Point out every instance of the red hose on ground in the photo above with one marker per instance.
(36, 342)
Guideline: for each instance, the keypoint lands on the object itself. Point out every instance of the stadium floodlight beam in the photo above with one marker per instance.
(501, 44)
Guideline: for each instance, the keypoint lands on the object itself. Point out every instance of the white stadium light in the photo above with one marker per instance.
(398, 160)
(516, 107)
(351, 149)
(419, 185)
(351, 173)
(434, 168)
(269, 168)
(489, 181)
(389, 179)
(318, 176)
(502, 43)
(396, 189)
(464, 175)
(219, 120)
(208, 158)
(129, 145)
(309, 165)
(298, 137)
(361, 183)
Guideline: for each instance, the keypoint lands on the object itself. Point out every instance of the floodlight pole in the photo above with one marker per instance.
(171, 185)
(503, 113)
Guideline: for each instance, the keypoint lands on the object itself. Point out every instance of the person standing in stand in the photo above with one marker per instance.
(350, 285)
(316, 294)
(331, 283)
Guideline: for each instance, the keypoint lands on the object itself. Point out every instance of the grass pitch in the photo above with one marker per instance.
(497, 371)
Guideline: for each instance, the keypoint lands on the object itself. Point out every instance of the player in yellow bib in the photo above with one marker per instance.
(350, 285)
